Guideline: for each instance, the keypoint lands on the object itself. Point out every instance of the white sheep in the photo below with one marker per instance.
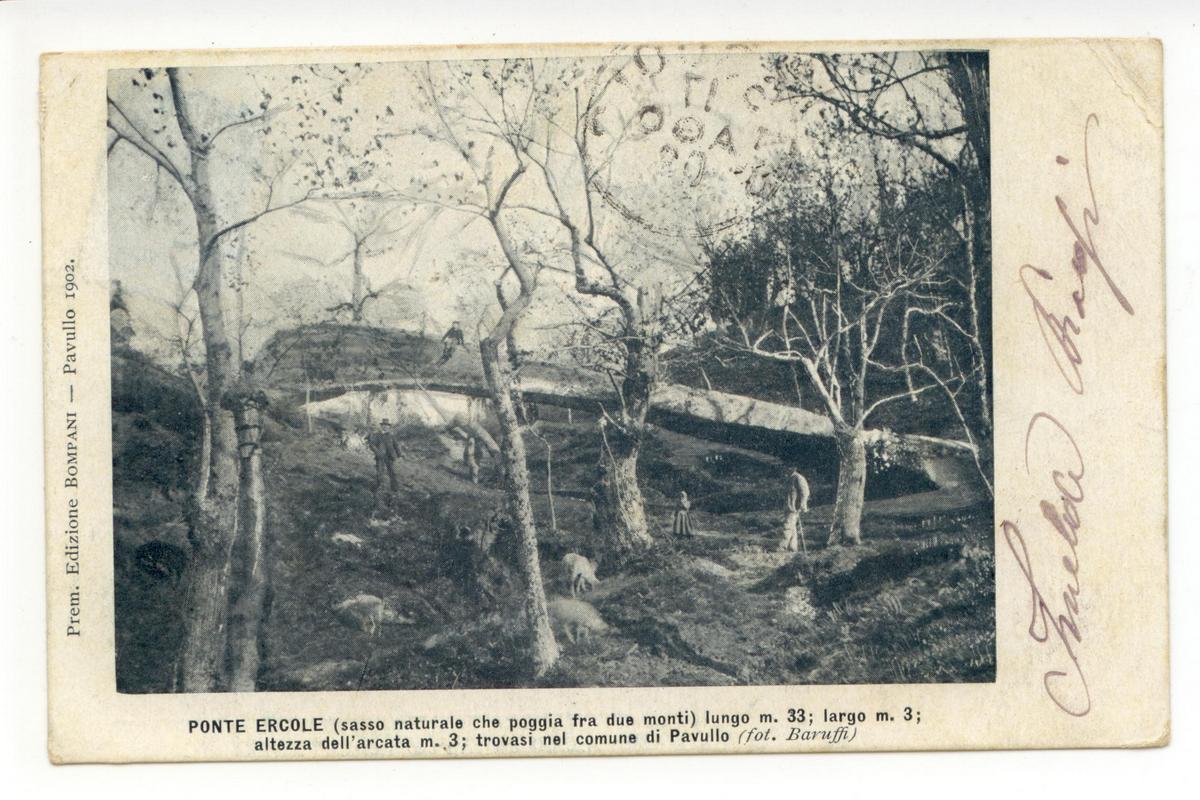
(577, 619)
(353, 441)
(581, 573)
(368, 613)
(347, 538)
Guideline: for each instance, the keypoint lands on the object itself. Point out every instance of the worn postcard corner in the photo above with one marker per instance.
(605, 399)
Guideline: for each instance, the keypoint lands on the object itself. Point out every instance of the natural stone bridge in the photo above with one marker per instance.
(374, 373)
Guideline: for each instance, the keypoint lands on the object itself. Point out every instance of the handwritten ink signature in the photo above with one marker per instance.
(1061, 332)
(1063, 517)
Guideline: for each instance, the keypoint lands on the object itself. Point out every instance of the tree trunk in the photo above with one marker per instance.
(980, 346)
(544, 649)
(204, 468)
(968, 79)
(240, 306)
(550, 484)
(622, 511)
(201, 665)
(358, 296)
(846, 527)
(248, 609)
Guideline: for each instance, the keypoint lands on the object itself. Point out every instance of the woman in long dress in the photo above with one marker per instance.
(682, 525)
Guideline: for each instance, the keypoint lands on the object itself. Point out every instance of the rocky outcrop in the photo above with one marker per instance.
(381, 373)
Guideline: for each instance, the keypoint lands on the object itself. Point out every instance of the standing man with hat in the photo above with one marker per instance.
(797, 503)
(386, 449)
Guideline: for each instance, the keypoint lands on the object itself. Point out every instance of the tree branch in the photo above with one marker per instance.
(143, 144)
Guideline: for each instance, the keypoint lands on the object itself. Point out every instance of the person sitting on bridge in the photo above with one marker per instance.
(452, 339)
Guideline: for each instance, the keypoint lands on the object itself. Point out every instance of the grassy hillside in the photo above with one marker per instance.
(913, 604)
(156, 423)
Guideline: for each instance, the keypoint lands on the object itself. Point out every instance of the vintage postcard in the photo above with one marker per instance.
(605, 399)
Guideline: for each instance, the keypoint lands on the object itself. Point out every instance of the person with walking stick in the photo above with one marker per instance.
(797, 503)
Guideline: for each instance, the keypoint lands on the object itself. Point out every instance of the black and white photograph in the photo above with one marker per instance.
(637, 370)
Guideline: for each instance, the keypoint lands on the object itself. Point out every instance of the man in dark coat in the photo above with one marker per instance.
(386, 449)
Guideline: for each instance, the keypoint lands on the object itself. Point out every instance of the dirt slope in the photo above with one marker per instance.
(914, 603)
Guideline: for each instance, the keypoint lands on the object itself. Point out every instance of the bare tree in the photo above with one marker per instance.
(935, 104)
(626, 323)
(491, 170)
(237, 281)
(370, 221)
(186, 344)
(826, 282)
(200, 144)
(569, 170)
